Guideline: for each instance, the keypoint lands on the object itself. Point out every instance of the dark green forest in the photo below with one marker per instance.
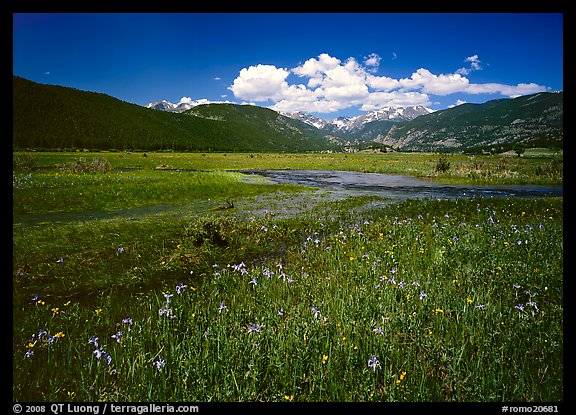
(55, 117)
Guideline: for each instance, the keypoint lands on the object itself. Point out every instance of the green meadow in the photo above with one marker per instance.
(359, 299)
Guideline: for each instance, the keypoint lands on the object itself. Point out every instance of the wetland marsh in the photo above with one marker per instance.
(126, 274)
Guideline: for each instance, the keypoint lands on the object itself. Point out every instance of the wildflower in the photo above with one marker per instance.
(401, 284)
(324, 359)
(59, 335)
(167, 296)
(222, 307)
(180, 288)
(117, 336)
(253, 282)
(55, 310)
(29, 353)
(127, 320)
(532, 304)
(480, 306)
(281, 311)
(373, 363)
(267, 272)
(98, 310)
(401, 378)
(422, 295)
(519, 307)
(316, 312)
(159, 363)
(67, 303)
(120, 250)
(438, 310)
(167, 311)
(288, 397)
(94, 341)
(102, 353)
(378, 331)
(255, 328)
(41, 333)
(30, 345)
(469, 300)
(416, 284)
(60, 261)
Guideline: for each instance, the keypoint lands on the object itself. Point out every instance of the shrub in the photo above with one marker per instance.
(442, 165)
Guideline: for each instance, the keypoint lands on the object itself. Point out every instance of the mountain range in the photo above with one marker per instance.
(48, 116)
(343, 127)
(533, 120)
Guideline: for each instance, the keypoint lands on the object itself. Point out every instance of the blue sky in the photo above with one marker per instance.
(330, 64)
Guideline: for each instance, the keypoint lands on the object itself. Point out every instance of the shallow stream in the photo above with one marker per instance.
(330, 185)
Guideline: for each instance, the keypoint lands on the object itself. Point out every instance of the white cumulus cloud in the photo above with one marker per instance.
(474, 65)
(260, 83)
(329, 84)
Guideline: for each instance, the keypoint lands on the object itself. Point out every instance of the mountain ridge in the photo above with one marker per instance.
(50, 116)
(531, 120)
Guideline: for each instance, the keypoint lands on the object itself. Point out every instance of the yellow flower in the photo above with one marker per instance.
(98, 310)
(288, 397)
(343, 338)
(41, 302)
(402, 376)
(469, 300)
(67, 303)
(59, 334)
(55, 310)
(438, 310)
(30, 345)
(324, 359)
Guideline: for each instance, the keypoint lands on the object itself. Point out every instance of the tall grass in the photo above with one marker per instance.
(418, 301)
(532, 168)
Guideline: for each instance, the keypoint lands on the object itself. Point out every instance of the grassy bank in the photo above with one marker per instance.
(534, 167)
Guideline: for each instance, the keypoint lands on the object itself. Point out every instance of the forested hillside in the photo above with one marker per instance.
(49, 117)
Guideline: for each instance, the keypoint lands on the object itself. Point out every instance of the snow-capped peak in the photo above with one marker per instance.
(348, 124)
